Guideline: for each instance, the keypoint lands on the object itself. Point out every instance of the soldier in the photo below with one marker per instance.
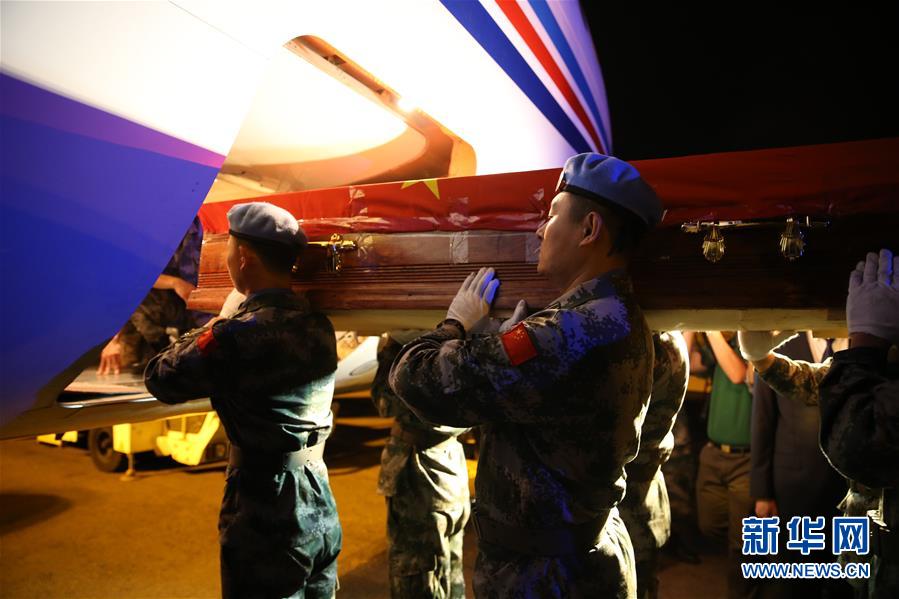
(858, 395)
(645, 509)
(161, 313)
(424, 479)
(560, 396)
(269, 370)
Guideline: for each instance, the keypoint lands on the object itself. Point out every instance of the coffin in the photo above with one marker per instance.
(415, 241)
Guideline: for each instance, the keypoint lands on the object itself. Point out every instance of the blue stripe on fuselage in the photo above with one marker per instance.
(544, 13)
(478, 22)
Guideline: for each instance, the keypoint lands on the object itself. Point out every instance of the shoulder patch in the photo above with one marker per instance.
(518, 345)
(206, 342)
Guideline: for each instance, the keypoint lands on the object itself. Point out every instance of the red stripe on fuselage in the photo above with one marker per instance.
(521, 23)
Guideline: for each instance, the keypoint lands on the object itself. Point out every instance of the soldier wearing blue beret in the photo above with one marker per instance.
(559, 395)
(269, 370)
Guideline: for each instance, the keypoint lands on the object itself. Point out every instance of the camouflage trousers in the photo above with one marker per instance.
(279, 534)
(426, 517)
(861, 501)
(680, 482)
(646, 512)
(607, 570)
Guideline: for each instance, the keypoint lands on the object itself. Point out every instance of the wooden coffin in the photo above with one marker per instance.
(416, 241)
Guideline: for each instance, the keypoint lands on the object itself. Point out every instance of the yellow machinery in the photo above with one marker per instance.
(191, 439)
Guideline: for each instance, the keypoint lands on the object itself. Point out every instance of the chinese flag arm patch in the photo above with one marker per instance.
(518, 345)
(206, 342)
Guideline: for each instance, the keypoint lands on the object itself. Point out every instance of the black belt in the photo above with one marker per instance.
(736, 449)
(276, 462)
(419, 438)
(563, 540)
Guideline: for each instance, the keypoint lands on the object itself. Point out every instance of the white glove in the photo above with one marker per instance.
(472, 302)
(232, 303)
(873, 303)
(756, 345)
(519, 314)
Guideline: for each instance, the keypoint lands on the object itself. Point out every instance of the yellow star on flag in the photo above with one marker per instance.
(430, 183)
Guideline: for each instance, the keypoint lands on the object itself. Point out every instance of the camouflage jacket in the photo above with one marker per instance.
(185, 262)
(858, 394)
(859, 401)
(436, 463)
(860, 434)
(645, 508)
(269, 371)
(796, 379)
(560, 398)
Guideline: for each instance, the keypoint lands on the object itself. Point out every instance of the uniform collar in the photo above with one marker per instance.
(256, 294)
(613, 282)
(277, 296)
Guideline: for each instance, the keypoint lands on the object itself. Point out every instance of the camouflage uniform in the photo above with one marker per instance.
(162, 311)
(269, 371)
(424, 479)
(645, 509)
(858, 395)
(560, 398)
(680, 483)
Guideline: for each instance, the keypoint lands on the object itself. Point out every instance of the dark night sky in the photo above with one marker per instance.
(679, 85)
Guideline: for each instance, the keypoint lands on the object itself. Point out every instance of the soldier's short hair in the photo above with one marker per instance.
(627, 228)
(276, 257)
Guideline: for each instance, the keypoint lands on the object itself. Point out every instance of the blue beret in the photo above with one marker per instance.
(607, 178)
(261, 221)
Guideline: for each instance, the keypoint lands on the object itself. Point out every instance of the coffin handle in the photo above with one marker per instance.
(335, 246)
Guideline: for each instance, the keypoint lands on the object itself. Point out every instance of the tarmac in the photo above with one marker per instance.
(69, 530)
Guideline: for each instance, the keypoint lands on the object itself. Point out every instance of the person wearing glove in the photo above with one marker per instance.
(860, 394)
(857, 392)
(561, 394)
(859, 403)
(471, 306)
(789, 474)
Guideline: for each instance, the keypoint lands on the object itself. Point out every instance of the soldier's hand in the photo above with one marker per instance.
(183, 288)
(756, 345)
(519, 314)
(472, 302)
(765, 508)
(111, 357)
(873, 303)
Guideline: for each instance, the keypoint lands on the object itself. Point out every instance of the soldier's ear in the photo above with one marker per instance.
(245, 256)
(592, 226)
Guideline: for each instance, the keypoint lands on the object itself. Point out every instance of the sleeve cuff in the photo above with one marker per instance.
(452, 325)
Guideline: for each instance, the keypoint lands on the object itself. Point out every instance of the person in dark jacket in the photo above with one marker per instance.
(269, 370)
(857, 392)
(790, 475)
